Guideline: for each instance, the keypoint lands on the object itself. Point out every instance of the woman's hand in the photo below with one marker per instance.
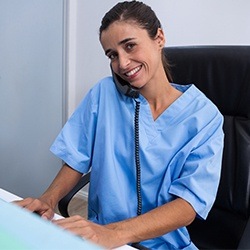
(98, 234)
(38, 206)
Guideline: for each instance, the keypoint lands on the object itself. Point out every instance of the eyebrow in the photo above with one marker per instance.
(120, 43)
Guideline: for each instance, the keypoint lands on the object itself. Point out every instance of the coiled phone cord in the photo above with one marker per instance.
(137, 158)
(137, 245)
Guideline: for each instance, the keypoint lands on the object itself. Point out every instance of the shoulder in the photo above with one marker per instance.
(195, 98)
(196, 107)
(105, 91)
(203, 101)
(104, 85)
(104, 88)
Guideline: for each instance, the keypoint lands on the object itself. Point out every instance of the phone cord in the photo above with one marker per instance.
(137, 158)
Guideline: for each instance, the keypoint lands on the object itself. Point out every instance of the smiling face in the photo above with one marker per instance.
(134, 55)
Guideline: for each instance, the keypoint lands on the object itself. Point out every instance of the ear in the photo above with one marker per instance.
(160, 38)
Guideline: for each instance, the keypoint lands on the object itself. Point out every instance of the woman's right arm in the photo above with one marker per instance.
(45, 205)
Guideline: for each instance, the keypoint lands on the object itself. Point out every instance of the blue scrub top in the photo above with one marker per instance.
(180, 155)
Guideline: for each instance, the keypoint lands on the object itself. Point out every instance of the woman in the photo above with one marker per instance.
(154, 147)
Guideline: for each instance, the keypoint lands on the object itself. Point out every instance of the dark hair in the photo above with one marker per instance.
(142, 14)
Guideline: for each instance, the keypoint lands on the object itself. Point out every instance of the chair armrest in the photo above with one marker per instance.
(245, 239)
(139, 246)
(64, 202)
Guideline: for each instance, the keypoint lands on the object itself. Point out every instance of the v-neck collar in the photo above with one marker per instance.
(153, 127)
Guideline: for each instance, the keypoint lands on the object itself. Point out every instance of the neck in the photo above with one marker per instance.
(161, 98)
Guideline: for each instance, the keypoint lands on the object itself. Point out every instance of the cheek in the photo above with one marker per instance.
(114, 66)
(156, 58)
(148, 55)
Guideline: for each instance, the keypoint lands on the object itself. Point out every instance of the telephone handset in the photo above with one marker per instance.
(124, 87)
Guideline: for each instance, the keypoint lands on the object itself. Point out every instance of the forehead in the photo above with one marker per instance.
(121, 30)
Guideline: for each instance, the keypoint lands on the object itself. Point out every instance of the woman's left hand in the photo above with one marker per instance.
(98, 234)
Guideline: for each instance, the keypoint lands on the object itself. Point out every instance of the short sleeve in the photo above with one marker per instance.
(74, 143)
(199, 179)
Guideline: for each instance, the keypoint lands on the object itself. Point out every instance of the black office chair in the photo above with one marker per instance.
(223, 74)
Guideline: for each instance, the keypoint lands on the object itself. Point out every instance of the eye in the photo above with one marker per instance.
(112, 56)
(130, 46)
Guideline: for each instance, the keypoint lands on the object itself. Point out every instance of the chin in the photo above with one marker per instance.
(137, 85)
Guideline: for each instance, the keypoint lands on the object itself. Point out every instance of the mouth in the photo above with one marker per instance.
(133, 71)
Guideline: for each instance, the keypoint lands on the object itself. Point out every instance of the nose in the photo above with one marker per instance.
(123, 61)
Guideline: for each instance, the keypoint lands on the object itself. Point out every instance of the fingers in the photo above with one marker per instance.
(77, 225)
(48, 215)
(37, 206)
(23, 203)
(71, 222)
(88, 230)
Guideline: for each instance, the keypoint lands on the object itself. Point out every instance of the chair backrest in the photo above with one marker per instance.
(223, 74)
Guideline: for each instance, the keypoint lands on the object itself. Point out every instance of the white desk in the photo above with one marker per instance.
(29, 230)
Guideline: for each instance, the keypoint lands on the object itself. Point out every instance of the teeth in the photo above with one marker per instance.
(133, 71)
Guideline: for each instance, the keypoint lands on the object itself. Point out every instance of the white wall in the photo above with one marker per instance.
(31, 93)
(185, 22)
